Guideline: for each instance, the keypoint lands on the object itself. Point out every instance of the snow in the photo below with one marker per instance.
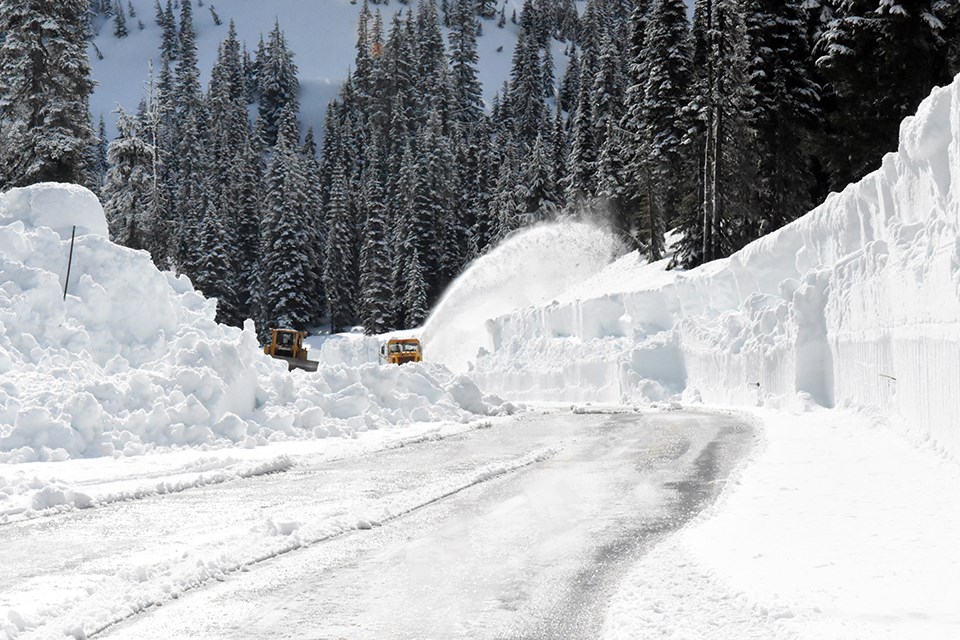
(132, 359)
(837, 528)
(837, 335)
(857, 303)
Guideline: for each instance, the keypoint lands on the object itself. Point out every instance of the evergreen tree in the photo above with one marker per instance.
(216, 275)
(285, 268)
(720, 108)
(785, 112)
(376, 291)
(314, 221)
(120, 22)
(463, 57)
(415, 294)
(278, 83)
(667, 93)
(170, 41)
(879, 60)
(128, 196)
(525, 99)
(338, 265)
(634, 125)
(45, 128)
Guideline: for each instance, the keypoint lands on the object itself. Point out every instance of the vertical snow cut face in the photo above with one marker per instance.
(530, 268)
(133, 359)
(858, 302)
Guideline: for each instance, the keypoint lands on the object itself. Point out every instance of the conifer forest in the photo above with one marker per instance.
(689, 133)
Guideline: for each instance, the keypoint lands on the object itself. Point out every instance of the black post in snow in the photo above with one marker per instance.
(66, 282)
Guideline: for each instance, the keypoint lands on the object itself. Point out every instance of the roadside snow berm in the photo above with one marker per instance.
(287, 345)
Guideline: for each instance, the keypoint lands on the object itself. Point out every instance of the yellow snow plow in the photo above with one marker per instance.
(401, 351)
(287, 345)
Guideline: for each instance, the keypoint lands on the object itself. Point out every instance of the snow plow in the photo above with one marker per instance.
(401, 351)
(287, 345)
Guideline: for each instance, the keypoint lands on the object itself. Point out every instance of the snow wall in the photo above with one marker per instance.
(133, 359)
(858, 302)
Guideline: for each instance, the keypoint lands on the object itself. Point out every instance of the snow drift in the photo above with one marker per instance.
(858, 302)
(132, 359)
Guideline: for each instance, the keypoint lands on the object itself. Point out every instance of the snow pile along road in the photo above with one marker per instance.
(133, 358)
(857, 302)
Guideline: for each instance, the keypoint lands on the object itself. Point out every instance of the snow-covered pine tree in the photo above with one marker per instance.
(338, 268)
(426, 39)
(249, 213)
(170, 40)
(668, 56)
(191, 201)
(506, 207)
(785, 112)
(129, 193)
(285, 266)
(879, 60)
(725, 167)
(189, 121)
(415, 301)
(376, 306)
(464, 28)
(525, 101)
(227, 135)
(215, 274)
(120, 22)
(314, 223)
(567, 21)
(636, 170)
(608, 89)
(277, 83)
(580, 183)
(431, 197)
(570, 83)
(540, 198)
(45, 86)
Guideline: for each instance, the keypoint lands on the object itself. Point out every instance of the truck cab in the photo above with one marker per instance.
(401, 351)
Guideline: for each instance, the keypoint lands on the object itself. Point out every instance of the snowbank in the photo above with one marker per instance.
(857, 302)
(133, 358)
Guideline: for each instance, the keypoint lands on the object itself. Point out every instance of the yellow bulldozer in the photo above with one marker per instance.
(287, 345)
(401, 351)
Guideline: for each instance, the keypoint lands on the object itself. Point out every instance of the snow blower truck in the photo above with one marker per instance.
(287, 345)
(401, 351)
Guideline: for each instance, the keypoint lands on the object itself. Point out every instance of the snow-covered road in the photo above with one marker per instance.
(517, 530)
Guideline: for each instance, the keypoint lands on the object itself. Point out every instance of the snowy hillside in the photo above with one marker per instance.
(856, 303)
(322, 36)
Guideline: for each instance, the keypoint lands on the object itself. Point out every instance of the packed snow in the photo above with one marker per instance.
(132, 359)
(857, 303)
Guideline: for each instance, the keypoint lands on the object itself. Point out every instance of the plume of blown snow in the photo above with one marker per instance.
(532, 267)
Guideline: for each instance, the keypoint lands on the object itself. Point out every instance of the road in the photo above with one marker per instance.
(520, 530)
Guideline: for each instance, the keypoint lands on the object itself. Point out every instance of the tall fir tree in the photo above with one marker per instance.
(129, 193)
(786, 112)
(278, 83)
(338, 265)
(285, 266)
(468, 93)
(879, 60)
(668, 76)
(45, 87)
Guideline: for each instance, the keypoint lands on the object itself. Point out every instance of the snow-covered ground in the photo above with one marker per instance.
(838, 526)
